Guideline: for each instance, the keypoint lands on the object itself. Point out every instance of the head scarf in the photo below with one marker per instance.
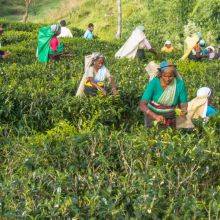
(55, 28)
(167, 42)
(202, 43)
(211, 47)
(95, 56)
(199, 34)
(140, 27)
(203, 92)
(164, 65)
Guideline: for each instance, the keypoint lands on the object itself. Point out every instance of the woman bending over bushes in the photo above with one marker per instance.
(164, 96)
(95, 76)
(49, 47)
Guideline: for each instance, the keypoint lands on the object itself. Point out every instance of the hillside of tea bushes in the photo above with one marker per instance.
(163, 19)
(62, 156)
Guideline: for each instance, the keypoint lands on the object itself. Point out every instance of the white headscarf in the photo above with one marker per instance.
(211, 47)
(130, 47)
(55, 28)
(167, 42)
(211, 54)
(140, 27)
(203, 92)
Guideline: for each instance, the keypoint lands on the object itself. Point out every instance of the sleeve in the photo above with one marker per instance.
(54, 44)
(86, 34)
(147, 44)
(149, 90)
(183, 96)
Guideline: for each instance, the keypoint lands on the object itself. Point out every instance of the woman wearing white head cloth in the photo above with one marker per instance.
(167, 48)
(211, 52)
(135, 42)
(199, 107)
(95, 76)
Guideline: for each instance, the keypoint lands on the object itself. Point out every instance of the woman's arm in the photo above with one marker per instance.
(183, 99)
(95, 85)
(198, 55)
(183, 107)
(91, 80)
(143, 107)
(114, 88)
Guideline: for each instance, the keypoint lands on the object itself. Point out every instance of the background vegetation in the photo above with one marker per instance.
(162, 19)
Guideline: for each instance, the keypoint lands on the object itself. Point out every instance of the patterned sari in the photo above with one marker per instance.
(164, 106)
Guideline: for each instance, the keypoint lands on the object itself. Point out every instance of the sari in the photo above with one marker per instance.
(45, 35)
(189, 43)
(136, 41)
(164, 105)
(164, 101)
(99, 78)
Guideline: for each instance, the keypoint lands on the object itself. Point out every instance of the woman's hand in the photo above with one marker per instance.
(112, 82)
(159, 118)
(115, 91)
(6, 55)
(104, 93)
(183, 109)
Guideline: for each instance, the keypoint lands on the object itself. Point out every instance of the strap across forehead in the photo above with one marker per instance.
(161, 69)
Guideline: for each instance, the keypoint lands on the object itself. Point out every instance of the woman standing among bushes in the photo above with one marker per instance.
(164, 94)
(96, 73)
(49, 46)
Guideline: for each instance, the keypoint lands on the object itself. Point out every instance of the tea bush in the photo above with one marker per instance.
(64, 156)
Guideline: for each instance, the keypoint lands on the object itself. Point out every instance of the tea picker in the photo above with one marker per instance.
(65, 32)
(3, 54)
(95, 76)
(199, 107)
(135, 45)
(164, 95)
(49, 47)
(167, 48)
(89, 32)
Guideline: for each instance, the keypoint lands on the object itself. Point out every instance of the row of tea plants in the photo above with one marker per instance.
(63, 156)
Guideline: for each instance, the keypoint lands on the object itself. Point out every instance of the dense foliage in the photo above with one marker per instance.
(62, 156)
(163, 19)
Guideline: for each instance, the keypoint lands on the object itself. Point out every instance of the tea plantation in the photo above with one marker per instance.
(82, 158)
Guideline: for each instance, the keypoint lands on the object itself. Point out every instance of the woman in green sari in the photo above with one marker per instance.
(49, 46)
(164, 97)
